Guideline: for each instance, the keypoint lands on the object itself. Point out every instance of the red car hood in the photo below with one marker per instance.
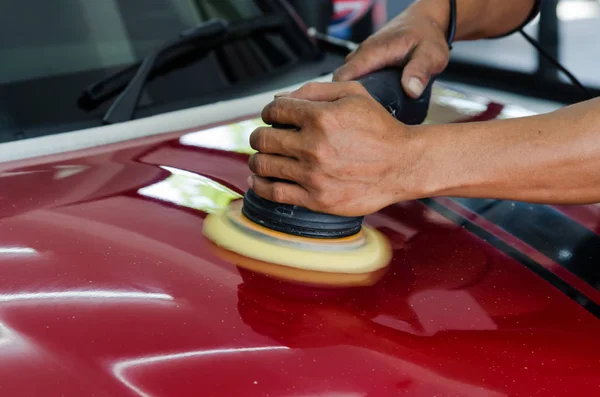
(109, 288)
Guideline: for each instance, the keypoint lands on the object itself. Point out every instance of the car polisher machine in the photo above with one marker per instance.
(296, 244)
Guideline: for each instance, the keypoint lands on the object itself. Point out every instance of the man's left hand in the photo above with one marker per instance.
(346, 156)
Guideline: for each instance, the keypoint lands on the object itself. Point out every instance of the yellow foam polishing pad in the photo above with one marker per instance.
(300, 276)
(366, 252)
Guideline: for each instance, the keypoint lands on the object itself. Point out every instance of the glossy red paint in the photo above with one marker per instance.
(108, 288)
(492, 111)
(531, 252)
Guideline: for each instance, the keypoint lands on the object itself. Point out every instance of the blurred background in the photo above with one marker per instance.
(63, 62)
(507, 69)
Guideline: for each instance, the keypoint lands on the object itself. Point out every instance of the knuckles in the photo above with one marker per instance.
(279, 193)
(318, 118)
(309, 89)
(258, 164)
(315, 181)
(259, 139)
(323, 155)
(266, 112)
(317, 152)
(322, 200)
(270, 113)
(354, 88)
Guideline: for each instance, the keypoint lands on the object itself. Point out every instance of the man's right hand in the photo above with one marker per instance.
(414, 39)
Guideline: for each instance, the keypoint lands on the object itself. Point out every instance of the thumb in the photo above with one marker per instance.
(424, 63)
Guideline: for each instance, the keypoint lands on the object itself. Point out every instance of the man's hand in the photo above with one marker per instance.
(417, 39)
(348, 155)
(414, 39)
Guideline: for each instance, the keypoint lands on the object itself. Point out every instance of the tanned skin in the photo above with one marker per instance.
(349, 156)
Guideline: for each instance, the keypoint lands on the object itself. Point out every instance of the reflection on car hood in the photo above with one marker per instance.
(109, 288)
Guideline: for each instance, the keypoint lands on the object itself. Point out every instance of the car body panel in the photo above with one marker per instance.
(109, 288)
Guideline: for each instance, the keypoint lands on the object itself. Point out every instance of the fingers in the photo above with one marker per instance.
(426, 61)
(275, 141)
(350, 55)
(366, 59)
(286, 111)
(280, 192)
(374, 54)
(326, 92)
(274, 166)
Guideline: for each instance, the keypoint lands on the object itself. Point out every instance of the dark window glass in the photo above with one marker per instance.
(50, 51)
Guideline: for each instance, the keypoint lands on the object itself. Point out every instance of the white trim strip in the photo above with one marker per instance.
(149, 126)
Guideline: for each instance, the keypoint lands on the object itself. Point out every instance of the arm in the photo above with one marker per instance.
(351, 157)
(477, 19)
(417, 38)
(551, 158)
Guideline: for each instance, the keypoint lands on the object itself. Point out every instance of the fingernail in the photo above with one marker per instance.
(415, 86)
(250, 181)
(282, 94)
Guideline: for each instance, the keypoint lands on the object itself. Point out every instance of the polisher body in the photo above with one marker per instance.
(287, 235)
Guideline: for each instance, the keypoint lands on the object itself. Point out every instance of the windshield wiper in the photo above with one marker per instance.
(201, 39)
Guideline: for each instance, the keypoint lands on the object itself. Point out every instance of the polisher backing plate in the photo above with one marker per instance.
(364, 252)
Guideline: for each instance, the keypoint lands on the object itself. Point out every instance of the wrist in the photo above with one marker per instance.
(412, 173)
(436, 161)
(437, 12)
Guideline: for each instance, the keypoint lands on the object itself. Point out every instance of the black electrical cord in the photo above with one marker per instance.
(452, 23)
(555, 62)
(531, 40)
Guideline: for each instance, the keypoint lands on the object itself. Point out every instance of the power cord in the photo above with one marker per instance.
(452, 23)
(555, 62)
(531, 40)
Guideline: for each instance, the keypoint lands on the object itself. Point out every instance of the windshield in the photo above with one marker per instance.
(52, 51)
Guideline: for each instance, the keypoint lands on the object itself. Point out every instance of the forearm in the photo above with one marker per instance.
(476, 19)
(551, 158)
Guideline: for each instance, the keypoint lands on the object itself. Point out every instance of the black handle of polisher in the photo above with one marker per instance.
(385, 86)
